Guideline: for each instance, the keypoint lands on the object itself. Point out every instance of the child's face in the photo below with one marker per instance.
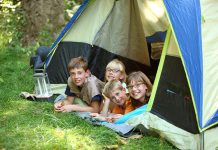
(78, 76)
(118, 96)
(113, 74)
(137, 90)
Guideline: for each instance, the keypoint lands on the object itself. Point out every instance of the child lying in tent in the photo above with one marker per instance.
(139, 90)
(115, 92)
(115, 70)
(81, 85)
(139, 87)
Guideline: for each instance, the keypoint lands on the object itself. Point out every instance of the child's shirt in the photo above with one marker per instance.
(124, 86)
(137, 103)
(123, 109)
(91, 88)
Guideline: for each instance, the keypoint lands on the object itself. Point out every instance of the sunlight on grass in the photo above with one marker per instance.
(40, 134)
(58, 137)
(34, 125)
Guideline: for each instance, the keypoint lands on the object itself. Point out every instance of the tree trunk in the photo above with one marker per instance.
(40, 14)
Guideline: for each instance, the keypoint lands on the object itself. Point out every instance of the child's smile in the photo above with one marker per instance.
(113, 74)
(79, 76)
(119, 97)
(137, 90)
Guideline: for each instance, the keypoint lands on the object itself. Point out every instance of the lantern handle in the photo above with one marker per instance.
(39, 71)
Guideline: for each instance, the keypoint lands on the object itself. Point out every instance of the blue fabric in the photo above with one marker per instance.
(212, 120)
(67, 27)
(59, 98)
(122, 129)
(131, 114)
(97, 98)
(157, 37)
(68, 92)
(185, 17)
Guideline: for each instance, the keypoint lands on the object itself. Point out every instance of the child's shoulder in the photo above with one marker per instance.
(93, 80)
(70, 82)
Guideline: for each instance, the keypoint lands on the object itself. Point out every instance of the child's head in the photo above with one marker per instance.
(139, 86)
(115, 70)
(115, 92)
(78, 70)
(78, 62)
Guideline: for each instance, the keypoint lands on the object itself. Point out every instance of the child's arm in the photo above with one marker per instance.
(67, 101)
(94, 108)
(104, 111)
(98, 116)
(113, 117)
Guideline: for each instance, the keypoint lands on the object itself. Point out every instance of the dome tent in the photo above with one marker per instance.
(184, 96)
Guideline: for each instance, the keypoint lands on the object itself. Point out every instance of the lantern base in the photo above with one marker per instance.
(46, 99)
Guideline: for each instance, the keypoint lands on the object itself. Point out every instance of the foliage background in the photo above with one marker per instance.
(14, 20)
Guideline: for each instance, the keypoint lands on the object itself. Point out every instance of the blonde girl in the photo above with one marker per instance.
(115, 70)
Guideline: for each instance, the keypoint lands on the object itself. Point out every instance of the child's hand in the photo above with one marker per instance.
(117, 116)
(113, 118)
(109, 119)
(94, 114)
(58, 105)
(65, 108)
(98, 116)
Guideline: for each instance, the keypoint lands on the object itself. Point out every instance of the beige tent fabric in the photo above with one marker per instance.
(172, 49)
(90, 21)
(58, 88)
(209, 25)
(123, 33)
(156, 50)
(210, 139)
(178, 137)
(153, 16)
(127, 23)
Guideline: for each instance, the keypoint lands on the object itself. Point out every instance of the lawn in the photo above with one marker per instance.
(34, 125)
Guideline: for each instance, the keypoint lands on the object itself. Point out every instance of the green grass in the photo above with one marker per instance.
(34, 125)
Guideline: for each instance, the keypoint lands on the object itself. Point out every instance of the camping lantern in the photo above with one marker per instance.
(42, 84)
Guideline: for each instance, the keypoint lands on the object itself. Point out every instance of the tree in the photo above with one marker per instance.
(39, 15)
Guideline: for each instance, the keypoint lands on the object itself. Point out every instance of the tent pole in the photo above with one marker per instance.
(202, 141)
